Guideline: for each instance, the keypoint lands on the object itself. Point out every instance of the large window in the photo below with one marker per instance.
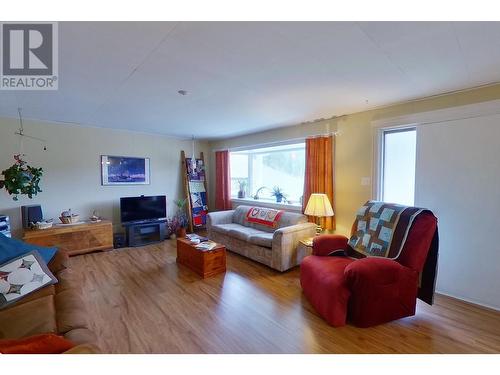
(264, 169)
(398, 166)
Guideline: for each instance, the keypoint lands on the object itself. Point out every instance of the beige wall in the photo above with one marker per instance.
(354, 145)
(72, 167)
(457, 176)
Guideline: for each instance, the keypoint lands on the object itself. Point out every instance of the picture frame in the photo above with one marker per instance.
(125, 170)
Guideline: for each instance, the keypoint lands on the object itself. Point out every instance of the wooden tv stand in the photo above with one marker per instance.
(75, 239)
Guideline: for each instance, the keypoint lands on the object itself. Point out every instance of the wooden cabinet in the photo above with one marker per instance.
(75, 239)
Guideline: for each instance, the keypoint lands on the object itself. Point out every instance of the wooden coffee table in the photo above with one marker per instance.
(204, 263)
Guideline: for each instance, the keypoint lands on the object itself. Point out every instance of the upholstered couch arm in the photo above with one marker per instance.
(220, 217)
(327, 243)
(60, 261)
(285, 241)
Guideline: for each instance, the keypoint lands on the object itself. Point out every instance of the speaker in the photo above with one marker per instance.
(31, 214)
(119, 240)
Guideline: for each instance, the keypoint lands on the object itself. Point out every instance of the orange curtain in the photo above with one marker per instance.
(319, 174)
(222, 181)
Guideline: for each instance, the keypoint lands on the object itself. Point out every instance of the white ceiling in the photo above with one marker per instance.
(244, 77)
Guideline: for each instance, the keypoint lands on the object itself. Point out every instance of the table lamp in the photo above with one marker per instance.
(318, 206)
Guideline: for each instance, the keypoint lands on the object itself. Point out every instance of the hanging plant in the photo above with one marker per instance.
(21, 179)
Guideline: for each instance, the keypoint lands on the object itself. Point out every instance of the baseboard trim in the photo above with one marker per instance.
(473, 302)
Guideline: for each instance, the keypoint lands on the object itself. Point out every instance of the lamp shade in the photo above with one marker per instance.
(319, 205)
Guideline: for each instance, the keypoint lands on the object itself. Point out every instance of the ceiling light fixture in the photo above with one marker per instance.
(22, 135)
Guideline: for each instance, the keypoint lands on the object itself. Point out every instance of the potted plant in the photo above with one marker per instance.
(242, 192)
(21, 178)
(278, 193)
(256, 196)
(180, 218)
(172, 226)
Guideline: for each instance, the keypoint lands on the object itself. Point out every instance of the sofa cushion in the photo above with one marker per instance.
(83, 349)
(286, 219)
(268, 217)
(70, 311)
(243, 233)
(59, 262)
(240, 215)
(49, 290)
(262, 239)
(291, 218)
(30, 318)
(81, 336)
(224, 228)
(68, 280)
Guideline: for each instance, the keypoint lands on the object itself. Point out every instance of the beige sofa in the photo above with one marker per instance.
(274, 247)
(55, 308)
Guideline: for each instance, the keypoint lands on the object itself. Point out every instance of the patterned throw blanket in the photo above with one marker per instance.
(264, 216)
(381, 229)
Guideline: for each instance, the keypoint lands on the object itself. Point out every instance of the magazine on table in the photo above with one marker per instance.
(206, 245)
(195, 238)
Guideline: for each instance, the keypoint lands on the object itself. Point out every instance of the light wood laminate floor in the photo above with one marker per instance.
(140, 301)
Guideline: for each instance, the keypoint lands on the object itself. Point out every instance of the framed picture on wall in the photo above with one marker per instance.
(123, 170)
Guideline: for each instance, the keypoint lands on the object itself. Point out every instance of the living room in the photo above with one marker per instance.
(214, 187)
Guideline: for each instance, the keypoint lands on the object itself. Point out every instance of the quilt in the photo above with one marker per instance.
(265, 216)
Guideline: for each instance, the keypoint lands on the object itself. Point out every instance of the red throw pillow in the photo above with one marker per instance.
(47, 343)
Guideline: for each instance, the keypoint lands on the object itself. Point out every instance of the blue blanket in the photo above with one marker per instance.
(11, 248)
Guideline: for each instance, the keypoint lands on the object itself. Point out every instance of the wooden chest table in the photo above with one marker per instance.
(75, 239)
(204, 263)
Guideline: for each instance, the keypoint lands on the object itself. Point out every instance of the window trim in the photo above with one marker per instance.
(265, 203)
(267, 145)
(378, 185)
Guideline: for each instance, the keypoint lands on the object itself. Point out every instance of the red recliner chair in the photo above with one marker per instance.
(343, 285)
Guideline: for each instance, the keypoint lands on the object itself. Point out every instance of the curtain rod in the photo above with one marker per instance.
(276, 143)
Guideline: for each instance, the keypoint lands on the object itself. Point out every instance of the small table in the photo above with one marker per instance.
(204, 263)
(304, 248)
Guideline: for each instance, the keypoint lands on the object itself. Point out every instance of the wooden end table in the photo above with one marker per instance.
(204, 263)
(304, 248)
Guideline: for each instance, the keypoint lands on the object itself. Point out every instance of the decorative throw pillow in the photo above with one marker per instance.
(22, 276)
(264, 216)
(11, 248)
(47, 343)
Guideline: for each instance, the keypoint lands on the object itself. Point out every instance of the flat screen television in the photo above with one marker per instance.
(143, 208)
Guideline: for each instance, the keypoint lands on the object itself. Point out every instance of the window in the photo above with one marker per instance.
(263, 169)
(398, 166)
